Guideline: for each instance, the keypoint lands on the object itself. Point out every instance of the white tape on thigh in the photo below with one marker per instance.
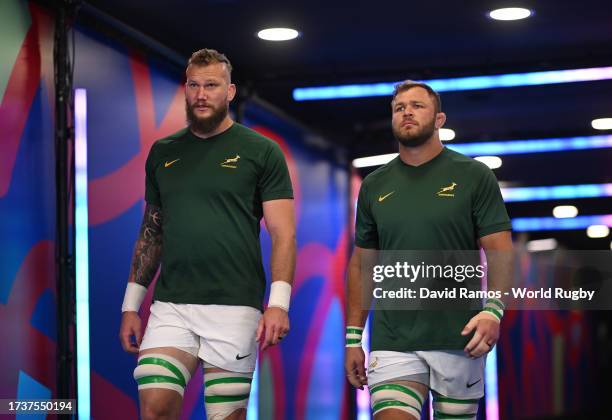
(157, 370)
(444, 406)
(400, 397)
(225, 392)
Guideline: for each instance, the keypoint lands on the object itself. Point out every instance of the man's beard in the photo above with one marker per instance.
(205, 125)
(417, 139)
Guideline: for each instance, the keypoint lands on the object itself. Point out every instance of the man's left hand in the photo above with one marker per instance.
(273, 327)
(485, 336)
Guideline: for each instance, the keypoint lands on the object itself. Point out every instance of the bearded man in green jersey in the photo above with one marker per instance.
(207, 188)
(428, 198)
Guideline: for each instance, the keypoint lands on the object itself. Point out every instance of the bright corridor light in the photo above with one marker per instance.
(492, 162)
(561, 212)
(510, 13)
(538, 245)
(602, 124)
(373, 160)
(598, 231)
(446, 134)
(278, 34)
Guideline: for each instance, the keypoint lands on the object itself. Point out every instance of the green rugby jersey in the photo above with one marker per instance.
(446, 203)
(211, 193)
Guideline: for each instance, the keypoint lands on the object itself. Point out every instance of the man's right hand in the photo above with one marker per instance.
(130, 327)
(355, 366)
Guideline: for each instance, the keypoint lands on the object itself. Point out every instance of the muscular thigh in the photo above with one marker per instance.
(398, 400)
(226, 393)
(165, 393)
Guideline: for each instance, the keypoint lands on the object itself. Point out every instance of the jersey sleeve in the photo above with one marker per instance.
(151, 187)
(489, 211)
(366, 233)
(275, 182)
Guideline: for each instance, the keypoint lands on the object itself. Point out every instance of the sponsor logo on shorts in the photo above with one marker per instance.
(172, 162)
(373, 363)
(231, 162)
(469, 385)
(447, 191)
(382, 197)
(239, 357)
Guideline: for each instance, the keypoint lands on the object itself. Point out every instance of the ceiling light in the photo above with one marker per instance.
(602, 124)
(562, 212)
(557, 192)
(598, 231)
(492, 162)
(510, 13)
(278, 34)
(456, 84)
(542, 245)
(532, 224)
(373, 160)
(446, 134)
(534, 146)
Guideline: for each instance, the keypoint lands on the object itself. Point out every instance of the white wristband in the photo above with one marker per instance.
(280, 294)
(134, 295)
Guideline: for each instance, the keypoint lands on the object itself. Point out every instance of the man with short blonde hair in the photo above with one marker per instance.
(206, 56)
(207, 187)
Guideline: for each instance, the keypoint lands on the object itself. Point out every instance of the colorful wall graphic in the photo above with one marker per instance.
(27, 203)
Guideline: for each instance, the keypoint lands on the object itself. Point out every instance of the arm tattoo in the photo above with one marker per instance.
(147, 252)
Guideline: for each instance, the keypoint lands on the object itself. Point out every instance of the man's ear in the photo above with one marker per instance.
(440, 120)
(231, 92)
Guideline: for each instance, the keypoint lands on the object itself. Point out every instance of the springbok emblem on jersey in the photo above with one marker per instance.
(447, 191)
(231, 162)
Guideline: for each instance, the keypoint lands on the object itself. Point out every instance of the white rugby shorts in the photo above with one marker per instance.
(450, 373)
(220, 335)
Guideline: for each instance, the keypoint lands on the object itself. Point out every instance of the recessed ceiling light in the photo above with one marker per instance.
(492, 162)
(563, 212)
(278, 34)
(377, 160)
(542, 245)
(602, 124)
(510, 13)
(446, 134)
(598, 231)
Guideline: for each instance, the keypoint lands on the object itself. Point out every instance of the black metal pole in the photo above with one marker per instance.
(64, 149)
